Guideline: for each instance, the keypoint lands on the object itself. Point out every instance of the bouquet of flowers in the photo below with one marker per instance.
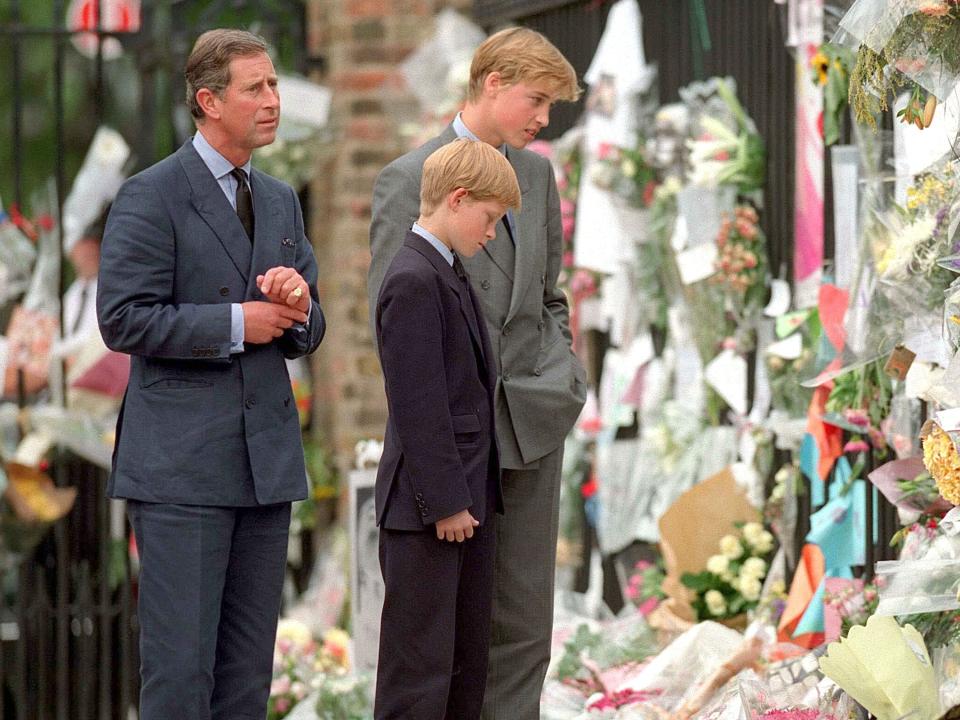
(741, 262)
(300, 664)
(728, 153)
(626, 173)
(343, 697)
(645, 586)
(903, 42)
(731, 583)
(942, 460)
(831, 70)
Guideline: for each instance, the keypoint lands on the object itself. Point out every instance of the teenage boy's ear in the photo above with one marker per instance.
(456, 198)
(493, 83)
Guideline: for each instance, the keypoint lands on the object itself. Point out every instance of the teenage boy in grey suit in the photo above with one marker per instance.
(208, 281)
(515, 77)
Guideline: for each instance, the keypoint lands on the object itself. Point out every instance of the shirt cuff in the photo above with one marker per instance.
(236, 328)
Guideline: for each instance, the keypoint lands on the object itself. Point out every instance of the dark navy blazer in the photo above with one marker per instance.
(440, 454)
(200, 426)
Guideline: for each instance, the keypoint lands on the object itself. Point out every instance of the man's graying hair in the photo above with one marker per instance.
(209, 63)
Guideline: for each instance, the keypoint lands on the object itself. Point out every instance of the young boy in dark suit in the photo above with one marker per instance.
(438, 483)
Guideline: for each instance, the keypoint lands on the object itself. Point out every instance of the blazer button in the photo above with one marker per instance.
(224, 292)
(419, 496)
(540, 325)
(506, 329)
(250, 403)
(538, 372)
(485, 284)
(423, 511)
(506, 377)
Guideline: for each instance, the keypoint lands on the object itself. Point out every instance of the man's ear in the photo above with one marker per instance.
(209, 103)
(493, 83)
(455, 198)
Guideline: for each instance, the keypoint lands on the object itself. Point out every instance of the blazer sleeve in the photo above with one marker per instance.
(136, 307)
(303, 340)
(395, 207)
(554, 298)
(411, 352)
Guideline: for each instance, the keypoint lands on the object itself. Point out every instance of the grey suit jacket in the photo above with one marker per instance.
(200, 426)
(540, 384)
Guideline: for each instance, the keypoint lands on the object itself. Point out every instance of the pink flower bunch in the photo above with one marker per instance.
(644, 587)
(740, 250)
(795, 714)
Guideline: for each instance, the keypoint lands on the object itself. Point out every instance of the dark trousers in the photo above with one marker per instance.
(210, 588)
(435, 627)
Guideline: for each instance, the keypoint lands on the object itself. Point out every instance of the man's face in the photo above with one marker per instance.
(520, 111)
(250, 106)
(474, 224)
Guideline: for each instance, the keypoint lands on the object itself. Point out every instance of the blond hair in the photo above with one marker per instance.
(209, 63)
(476, 167)
(522, 55)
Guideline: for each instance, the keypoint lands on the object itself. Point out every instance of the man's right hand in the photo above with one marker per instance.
(264, 321)
(457, 527)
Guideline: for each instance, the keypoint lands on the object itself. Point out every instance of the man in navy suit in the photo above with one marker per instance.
(438, 484)
(208, 281)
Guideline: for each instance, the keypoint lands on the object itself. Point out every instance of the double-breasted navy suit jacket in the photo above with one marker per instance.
(440, 453)
(198, 425)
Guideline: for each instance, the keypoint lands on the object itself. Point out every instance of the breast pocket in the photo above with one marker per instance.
(288, 252)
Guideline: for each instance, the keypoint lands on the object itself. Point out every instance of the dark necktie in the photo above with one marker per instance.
(244, 201)
(459, 269)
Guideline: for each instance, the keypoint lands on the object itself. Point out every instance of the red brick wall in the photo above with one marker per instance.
(362, 41)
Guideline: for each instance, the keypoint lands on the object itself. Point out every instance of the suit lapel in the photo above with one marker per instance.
(267, 232)
(526, 233)
(450, 277)
(212, 205)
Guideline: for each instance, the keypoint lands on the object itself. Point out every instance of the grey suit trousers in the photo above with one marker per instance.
(524, 568)
(210, 589)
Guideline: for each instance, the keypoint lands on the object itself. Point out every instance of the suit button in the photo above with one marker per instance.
(250, 403)
(423, 511)
(538, 372)
(224, 292)
(506, 377)
(540, 325)
(485, 284)
(506, 329)
(419, 496)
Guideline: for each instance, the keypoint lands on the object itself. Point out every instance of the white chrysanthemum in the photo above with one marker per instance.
(718, 564)
(716, 604)
(750, 588)
(753, 568)
(731, 547)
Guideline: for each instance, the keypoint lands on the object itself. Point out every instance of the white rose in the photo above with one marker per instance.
(730, 546)
(750, 588)
(764, 543)
(753, 568)
(716, 604)
(718, 564)
(751, 531)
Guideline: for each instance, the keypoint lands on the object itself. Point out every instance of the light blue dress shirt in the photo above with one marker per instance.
(220, 167)
(460, 128)
(446, 252)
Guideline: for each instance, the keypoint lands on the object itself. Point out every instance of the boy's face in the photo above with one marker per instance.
(518, 112)
(473, 223)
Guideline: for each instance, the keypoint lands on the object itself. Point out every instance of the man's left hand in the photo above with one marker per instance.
(285, 286)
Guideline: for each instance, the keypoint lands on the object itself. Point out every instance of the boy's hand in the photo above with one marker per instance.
(457, 527)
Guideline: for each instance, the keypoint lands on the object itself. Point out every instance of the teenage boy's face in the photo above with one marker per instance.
(520, 111)
(473, 224)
